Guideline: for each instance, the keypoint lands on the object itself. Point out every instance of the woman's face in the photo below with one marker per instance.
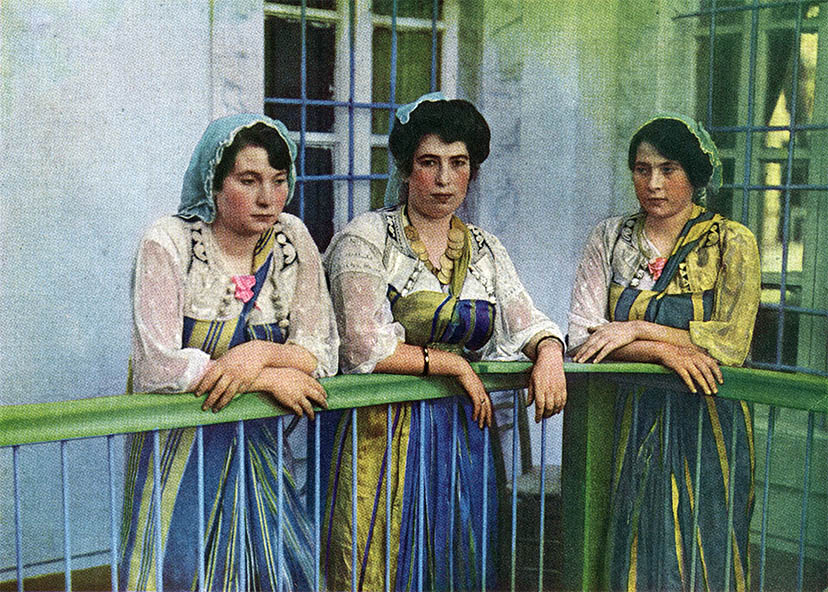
(253, 194)
(661, 185)
(439, 178)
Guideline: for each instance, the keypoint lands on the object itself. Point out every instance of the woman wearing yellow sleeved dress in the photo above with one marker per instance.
(677, 285)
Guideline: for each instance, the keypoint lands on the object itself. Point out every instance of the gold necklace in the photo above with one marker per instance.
(454, 248)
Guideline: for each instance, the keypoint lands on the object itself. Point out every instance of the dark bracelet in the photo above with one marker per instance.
(541, 340)
(425, 361)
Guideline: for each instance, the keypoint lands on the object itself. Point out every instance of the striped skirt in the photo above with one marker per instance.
(241, 513)
(452, 520)
(652, 544)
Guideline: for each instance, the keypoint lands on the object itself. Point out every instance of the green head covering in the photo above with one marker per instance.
(197, 192)
(706, 144)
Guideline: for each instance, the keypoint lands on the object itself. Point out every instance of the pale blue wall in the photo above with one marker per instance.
(100, 108)
(548, 93)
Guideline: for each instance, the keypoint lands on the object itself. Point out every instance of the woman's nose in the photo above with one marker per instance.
(440, 175)
(656, 179)
(266, 194)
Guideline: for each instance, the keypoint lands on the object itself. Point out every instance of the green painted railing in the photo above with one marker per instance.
(120, 414)
(99, 416)
(588, 425)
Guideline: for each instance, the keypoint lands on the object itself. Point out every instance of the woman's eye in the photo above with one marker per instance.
(668, 170)
(247, 181)
(640, 170)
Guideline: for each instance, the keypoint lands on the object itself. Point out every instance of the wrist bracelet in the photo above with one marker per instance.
(425, 361)
(541, 340)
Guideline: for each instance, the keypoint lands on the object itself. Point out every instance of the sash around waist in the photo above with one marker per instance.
(434, 317)
(671, 310)
(216, 337)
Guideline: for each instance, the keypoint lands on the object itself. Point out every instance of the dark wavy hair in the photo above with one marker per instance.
(453, 121)
(261, 135)
(674, 141)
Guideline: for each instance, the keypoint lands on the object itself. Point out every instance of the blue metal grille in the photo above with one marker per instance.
(745, 130)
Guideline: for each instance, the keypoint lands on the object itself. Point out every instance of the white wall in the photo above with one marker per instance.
(551, 173)
(102, 103)
(100, 111)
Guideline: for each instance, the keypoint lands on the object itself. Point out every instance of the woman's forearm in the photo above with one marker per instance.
(410, 359)
(542, 341)
(647, 331)
(639, 351)
(280, 355)
(290, 355)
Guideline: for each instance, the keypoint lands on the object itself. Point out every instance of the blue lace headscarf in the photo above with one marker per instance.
(197, 200)
(708, 147)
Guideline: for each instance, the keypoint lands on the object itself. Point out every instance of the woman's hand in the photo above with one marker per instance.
(604, 339)
(292, 389)
(474, 388)
(547, 383)
(694, 366)
(231, 374)
(235, 371)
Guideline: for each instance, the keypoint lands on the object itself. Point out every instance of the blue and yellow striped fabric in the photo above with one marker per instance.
(653, 498)
(656, 305)
(468, 323)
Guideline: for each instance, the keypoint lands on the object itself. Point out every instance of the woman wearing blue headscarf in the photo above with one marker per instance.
(229, 296)
(418, 291)
(678, 285)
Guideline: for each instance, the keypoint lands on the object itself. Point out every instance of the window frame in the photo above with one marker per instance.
(352, 139)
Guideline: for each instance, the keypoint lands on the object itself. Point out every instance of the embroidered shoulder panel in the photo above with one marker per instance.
(480, 247)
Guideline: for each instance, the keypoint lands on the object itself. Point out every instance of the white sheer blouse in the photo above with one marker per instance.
(180, 271)
(373, 252)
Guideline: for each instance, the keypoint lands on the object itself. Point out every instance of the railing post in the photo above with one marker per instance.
(586, 478)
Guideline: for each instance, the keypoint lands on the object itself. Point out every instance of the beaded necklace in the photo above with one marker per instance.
(454, 248)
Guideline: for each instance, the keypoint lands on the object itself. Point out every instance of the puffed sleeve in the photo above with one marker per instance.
(590, 294)
(159, 362)
(358, 281)
(312, 322)
(521, 319)
(727, 335)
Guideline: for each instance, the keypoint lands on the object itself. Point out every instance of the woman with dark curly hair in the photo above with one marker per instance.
(417, 291)
(677, 285)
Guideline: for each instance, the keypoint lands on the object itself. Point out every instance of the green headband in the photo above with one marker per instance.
(705, 142)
